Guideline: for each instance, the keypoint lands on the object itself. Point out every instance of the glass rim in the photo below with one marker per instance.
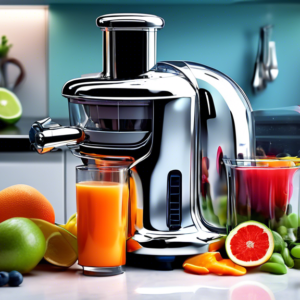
(110, 169)
(230, 162)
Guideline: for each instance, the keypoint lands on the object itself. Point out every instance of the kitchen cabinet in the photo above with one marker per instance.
(53, 174)
(46, 173)
(43, 172)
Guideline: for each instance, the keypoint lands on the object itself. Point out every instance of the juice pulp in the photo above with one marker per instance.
(102, 223)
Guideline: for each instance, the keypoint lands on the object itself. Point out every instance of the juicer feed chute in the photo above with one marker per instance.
(170, 123)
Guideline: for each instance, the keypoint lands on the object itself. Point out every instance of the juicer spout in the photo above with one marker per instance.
(46, 136)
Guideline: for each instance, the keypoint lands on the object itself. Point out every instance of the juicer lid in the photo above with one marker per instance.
(163, 81)
(129, 21)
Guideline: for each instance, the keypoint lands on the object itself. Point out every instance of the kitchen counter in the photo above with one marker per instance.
(49, 282)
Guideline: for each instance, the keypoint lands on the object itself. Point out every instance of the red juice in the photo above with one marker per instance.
(264, 191)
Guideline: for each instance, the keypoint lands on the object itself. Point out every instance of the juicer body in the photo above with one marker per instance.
(171, 124)
(191, 135)
(174, 124)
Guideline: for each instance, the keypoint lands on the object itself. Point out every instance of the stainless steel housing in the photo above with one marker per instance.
(184, 118)
(199, 116)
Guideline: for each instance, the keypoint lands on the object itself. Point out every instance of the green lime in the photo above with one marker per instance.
(10, 107)
(22, 245)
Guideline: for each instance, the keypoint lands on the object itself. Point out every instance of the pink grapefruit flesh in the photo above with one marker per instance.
(250, 244)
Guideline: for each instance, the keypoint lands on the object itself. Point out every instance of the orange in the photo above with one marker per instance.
(25, 201)
(276, 163)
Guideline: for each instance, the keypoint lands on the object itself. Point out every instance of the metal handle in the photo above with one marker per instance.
(266, 35)
(46, 136)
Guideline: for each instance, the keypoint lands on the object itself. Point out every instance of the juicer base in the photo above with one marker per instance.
(186, 242)
(102, 271)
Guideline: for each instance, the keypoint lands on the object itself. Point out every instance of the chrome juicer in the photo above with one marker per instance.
(170, 123)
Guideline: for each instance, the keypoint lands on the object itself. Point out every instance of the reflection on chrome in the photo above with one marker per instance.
(174, 289)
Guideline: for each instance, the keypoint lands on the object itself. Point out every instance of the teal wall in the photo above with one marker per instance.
(224, 37)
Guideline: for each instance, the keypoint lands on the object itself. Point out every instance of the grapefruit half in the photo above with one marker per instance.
(250, 244)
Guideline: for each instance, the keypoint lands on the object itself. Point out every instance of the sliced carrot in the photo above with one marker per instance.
(213, 263)
(195, 269)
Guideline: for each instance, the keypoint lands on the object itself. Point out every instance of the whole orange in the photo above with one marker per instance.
(25, 201)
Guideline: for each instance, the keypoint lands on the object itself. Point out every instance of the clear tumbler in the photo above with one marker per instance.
(264, 190)
(102, 206)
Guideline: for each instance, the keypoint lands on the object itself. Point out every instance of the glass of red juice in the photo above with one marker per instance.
(264, 190)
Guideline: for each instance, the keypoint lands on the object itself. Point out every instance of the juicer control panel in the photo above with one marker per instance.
(174, 199)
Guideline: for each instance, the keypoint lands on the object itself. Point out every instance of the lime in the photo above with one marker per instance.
(22, 245)
(10, 107)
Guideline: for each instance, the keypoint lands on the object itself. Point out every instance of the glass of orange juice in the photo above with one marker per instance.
(102, 206)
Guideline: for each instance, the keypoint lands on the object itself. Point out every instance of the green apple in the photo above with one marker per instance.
(22, 245)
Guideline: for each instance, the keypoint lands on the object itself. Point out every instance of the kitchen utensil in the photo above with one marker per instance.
(258, 82)
(4, 62)
(265, 51)
(266, 68)
(171, 122)
(273, 67)
(102, 208)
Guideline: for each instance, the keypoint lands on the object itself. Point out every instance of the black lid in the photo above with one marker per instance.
(129, 21)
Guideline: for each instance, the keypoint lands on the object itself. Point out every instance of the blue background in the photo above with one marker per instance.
(224, 37)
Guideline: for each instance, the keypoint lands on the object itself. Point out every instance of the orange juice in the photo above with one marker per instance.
(102, 222)
(139, 218)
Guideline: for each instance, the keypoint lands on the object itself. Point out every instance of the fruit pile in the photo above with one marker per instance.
(250, 244)
(28, 234)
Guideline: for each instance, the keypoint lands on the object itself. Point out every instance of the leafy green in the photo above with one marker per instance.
(4, 47)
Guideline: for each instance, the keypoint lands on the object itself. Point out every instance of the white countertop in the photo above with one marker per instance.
(49, 282)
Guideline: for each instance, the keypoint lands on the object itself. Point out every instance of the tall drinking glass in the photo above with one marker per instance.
(102, 205)
(267, 191)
